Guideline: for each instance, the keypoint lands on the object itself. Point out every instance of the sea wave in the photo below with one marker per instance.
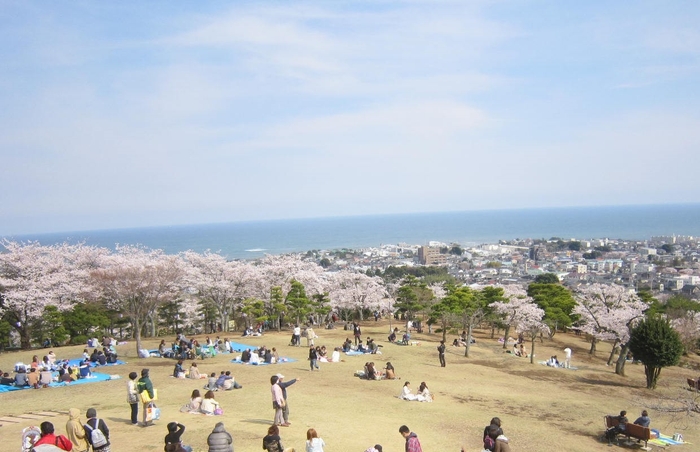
(256, 250)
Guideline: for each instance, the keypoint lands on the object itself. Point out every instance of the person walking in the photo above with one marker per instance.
(313, 358)
(412, 442)
(284, 385)
(277, 401)
(92, 424)
(132, 397)
(145, 384)
(219, 440)
(75, 431)
(441, 353)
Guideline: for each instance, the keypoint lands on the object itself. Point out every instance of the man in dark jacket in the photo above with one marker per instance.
(94, 423)
(219, 440)
(441, 353)
(284, 385)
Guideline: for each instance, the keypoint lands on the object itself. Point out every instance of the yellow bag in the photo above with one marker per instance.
(145, 397)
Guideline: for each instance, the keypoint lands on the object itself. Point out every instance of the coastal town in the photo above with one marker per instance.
(660, 264)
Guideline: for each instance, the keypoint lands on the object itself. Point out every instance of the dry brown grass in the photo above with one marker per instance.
(541, 408)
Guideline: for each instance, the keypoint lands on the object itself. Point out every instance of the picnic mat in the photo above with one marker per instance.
(665, 440)
(262, 363)
(94, 379)
(76, 363)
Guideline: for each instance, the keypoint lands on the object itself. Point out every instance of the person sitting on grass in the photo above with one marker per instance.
(194, 372)
(194, 404)
(209, 404)
(406, 393)
(173, 440)
(178, 370)
(231, 383)
(424, 394)
(272, 441)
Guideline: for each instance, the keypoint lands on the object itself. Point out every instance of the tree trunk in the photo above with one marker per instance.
(652, 373)
(469, 341)
(153, 325)
(444, 331)
(532, 351)
(620, 366)
(223, 316)
(594, 341)
(137, 335)
(506, 332)
(25, 337)
(612, 352)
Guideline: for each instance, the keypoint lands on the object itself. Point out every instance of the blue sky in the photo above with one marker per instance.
(128, 114)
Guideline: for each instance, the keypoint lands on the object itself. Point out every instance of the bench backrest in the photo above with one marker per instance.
(637, 431)
(611, 421)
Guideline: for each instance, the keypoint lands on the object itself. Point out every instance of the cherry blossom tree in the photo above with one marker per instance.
(608, 312)
(688, 327)
(516, 299)
(530, 322)
(33, 277)
(137, 281)
(352, 291)
(221, 283)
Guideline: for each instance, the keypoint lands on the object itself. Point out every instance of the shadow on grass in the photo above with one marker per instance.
(258, 421)
(603, 382)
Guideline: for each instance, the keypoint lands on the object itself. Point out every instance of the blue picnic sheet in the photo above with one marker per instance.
(281, 361)
(93, 379)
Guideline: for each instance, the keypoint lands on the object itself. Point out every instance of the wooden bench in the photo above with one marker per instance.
(631, 430)
(694, 384)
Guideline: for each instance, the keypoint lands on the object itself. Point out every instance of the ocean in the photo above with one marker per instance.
(254, 239)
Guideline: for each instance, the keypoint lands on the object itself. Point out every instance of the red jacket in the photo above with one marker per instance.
(59, 441)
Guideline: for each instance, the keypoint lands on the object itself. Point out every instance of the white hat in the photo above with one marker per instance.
(280, 376)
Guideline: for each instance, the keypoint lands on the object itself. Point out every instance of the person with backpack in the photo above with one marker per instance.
(490, 443)
(96, 432)
(50, 442)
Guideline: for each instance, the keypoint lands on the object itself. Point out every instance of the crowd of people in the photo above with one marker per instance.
(140, 392)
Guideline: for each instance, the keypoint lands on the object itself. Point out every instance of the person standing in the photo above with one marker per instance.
(310, 336)
(313, 358)
(284, 385)
(441, 353)
(412, 442)
(567, 358)
(145, 384)
(297, 336)
(75, 431)
(132, 397)
(93, 423)
(357, 332)
(219, 440)
(277, 401)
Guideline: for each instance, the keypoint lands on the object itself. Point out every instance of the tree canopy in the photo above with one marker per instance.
(657, 345)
